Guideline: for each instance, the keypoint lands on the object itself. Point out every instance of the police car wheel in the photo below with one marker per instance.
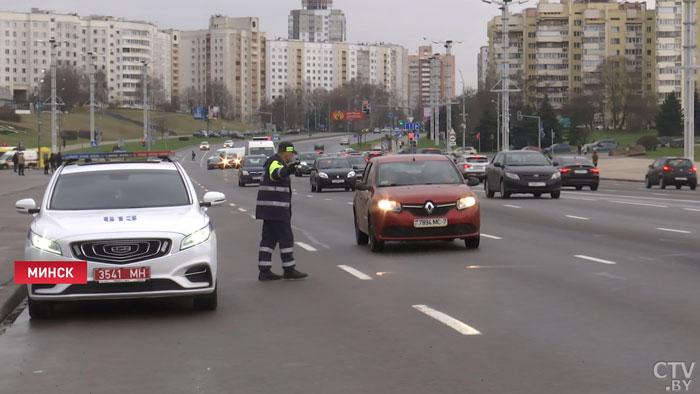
(39, 309)
(206, 302)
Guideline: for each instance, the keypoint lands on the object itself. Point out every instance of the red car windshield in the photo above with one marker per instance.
(418, 173)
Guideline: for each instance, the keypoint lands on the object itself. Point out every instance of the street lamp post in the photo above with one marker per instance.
(464, 112)
(144, 84)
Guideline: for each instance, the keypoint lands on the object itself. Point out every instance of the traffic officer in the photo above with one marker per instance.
(274, 208)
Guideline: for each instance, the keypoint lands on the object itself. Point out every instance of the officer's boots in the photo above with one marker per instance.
(266, 274)
(292, 273)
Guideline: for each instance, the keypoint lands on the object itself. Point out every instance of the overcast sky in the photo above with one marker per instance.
(403, 22)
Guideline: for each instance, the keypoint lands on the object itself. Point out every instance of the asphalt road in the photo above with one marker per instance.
(578, 295)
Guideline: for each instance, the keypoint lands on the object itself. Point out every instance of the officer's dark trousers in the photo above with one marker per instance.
(273, 233)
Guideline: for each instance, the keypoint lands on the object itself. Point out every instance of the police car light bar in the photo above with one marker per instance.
(116, 155)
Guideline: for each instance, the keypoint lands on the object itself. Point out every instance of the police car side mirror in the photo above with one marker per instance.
(213, 198)
(26, 206)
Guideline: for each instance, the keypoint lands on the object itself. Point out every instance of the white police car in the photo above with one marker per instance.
(139, 226)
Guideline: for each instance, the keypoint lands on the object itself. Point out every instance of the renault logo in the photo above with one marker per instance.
(537, 175)
(429, 207)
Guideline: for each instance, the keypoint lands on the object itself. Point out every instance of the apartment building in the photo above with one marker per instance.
(317, 21)
(419, 76)
(296, 64)
(121, 48)
(514, 59)
(564, 44)
(230, 52)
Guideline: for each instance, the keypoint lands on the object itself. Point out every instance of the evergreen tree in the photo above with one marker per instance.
(487, 127)
(669, 121)
(549, 121)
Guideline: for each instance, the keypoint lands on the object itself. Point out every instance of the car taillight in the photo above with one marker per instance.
(595, 171)
(693, 169)
(565, 170)
(667, 168)
(465, 166)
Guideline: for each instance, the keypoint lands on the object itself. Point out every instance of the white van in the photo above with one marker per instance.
(31, 159)
(261, 146)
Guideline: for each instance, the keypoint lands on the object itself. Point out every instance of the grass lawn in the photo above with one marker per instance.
(622, 138)
(662, 152)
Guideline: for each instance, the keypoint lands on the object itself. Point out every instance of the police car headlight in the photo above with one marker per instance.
(196, 237)
(389, 205)
(44, 244)
(244, 172)
(323, 175)
(556, 175)
(351, 174)
(466, 202)
(512, 176)
(303, 163)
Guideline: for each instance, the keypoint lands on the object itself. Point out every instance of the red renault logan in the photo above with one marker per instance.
(415, 197)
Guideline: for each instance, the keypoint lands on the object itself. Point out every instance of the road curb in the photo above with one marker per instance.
(621, 179)
(10, 296)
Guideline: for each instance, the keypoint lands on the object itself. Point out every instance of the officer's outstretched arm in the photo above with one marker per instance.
(279, 170)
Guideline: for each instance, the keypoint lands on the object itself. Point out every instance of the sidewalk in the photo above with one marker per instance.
(625, 168)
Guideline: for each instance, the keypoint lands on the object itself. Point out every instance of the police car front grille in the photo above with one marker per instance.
(121, 251)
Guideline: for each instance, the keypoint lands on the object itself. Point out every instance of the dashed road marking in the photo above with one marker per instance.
(232, 204)
(449, 321)
(329, 199)
(576, 217)
(639, 203)
(242, 210)
(306, 246)
(490, 236)
(252, 216)
(309, 195)
(670, 230)
(355, 273)
(597, 260)
(580, 198)
(610, 276)
(691, 209)
(350, 203)
(511, 206)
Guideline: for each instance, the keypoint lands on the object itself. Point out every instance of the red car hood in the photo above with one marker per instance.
(419, 194)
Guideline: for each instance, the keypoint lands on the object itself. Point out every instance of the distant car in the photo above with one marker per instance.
(348, 150)
(306, 160)
(251, 169)
(204, 145)
(467, 150)
(228, 144)
(386, 130)
(215, 134)
(213, 162)
(558, 148)
(518, 171)
(577, 171)
(376, 130)
(237, 135)
(332, 173)
(292, 132)
(369, 155)
(358, 163)
(319, 148)
(604, 144)
(429, 151)
(670, 142)
(532, 148)
(412, 198)
(672, 171)
(248, 133)
(473, 166)
(200, 134)
(344, 141)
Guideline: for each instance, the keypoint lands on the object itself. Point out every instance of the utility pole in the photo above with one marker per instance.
(689, 68)
(434, 99)
(464, 112)
(505, 82)
(144, 84)
(449, 84)
(54, 147)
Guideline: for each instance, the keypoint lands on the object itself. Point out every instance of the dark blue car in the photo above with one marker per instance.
(251, 169)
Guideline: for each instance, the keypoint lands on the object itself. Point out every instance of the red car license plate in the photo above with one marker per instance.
(132, 274)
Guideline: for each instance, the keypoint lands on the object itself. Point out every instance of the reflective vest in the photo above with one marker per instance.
(274, 192)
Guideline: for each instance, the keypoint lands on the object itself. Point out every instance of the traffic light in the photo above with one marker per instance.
(478, 135)
(365, 107)
(401, 124)
(4, 144)
(143, 141)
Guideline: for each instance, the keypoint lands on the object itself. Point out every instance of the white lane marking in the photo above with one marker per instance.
(309, 195)
(609, 275)
(691, 209)
(306, 246)
(576, 217)
(350, 203)
(447, 320)
(355, 273)
(206, 190)
(580, 198)
(638, 203)
(670, 230)
(253, 217)
(232, 204)
(490, 236)
(242, 210)
(637, 197)
(329, 199)
(511, 206)
(580, 256)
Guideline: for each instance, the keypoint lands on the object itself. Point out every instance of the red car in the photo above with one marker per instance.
(415, 197)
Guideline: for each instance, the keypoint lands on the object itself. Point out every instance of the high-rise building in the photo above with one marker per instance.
(419, 76)
(557, 49)
(296, 64)
(317, 21)
(231, 52)
(668, 47)
(121, 48)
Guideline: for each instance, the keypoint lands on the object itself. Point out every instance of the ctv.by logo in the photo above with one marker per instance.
(678, 372)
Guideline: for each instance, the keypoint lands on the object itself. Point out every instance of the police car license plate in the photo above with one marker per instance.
(112, 275)
(338, 180)
(432, 222)
(537, 184)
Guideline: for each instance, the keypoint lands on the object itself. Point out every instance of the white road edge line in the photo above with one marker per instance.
(306, 246)
(490, 236)
(355, 273)
(309, 195)
(580, 256)
(232, 204)
(576, 217)
(447, 320)
(511, 206)
(691, 209)
(350, 203)
(670, 230)
(639, 203)
(242, 210)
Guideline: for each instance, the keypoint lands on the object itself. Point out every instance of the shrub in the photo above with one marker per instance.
(648, 141)
(184, 138)
(9, 115)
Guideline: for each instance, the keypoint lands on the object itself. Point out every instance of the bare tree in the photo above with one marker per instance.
(191, 97)
(71, 87)
(618, 88)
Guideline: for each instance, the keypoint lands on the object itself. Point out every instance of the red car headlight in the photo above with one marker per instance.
(389, 205)
(466, 202)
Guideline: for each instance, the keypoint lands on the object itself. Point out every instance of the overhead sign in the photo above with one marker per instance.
(348, 115)
(391, 115)
(93, 144)
(411, 126)
(426, 112)
(338, 115)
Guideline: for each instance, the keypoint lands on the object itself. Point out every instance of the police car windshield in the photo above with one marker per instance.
(326, 164)
(119, 189)
(254, 162)
(418, 173)
(262, 151)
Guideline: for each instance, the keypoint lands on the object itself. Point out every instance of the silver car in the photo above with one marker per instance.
(140, 221)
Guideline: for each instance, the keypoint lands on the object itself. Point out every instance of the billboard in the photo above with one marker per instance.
(200, 113)
(214, 113)
(354, 115)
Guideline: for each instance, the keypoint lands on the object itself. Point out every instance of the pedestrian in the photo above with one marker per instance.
(274, 208)
(59, 159)
(579, 148)
(14, 162)
(64, 143)
(595, 158)
(194, 155)
(52, 162)
(20, 163)
(46, 164)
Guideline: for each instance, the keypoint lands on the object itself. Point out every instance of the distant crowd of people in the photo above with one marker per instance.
(51, 162)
